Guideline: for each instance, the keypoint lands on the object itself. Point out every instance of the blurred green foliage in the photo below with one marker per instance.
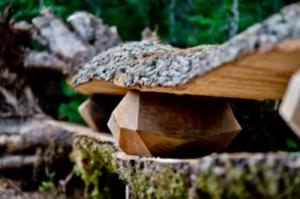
(68, 110)
(180, 22)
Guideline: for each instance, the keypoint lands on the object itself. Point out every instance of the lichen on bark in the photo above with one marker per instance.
(94, 164)
(152, 64)
(226, 175)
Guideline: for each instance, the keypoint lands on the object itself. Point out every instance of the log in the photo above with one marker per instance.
(45, 60)
(152, 124)
(23, 135)
(290, 106)
(14, 162)
(225, 175)
(93, 31)
(67, 44)
(255, 64)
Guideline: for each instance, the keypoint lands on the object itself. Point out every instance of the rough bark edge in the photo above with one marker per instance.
(237, 175)
(151, 64)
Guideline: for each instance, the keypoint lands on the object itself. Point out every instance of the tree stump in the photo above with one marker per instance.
(225, 175)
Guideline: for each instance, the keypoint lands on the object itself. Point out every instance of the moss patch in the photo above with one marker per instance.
(95, 166)
(164, 183)
(248, 179)
(216, 176)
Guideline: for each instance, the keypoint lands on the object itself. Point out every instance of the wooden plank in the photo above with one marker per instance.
(257, 76)
(255, 64)
(290, 106)
(167, 125)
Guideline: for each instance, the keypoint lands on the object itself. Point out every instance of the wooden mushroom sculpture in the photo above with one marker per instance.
(152, 124)
(256, 64)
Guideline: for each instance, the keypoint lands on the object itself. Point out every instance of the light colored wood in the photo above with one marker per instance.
(255, 76)
(152, 124)
(93, 114)
(290, 106)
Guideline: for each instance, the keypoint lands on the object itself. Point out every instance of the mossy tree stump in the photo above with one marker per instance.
(225, 175)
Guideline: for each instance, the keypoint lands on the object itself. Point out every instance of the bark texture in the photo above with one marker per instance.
(236, 175)
(151, 64)
(24, 128)
(68, 44)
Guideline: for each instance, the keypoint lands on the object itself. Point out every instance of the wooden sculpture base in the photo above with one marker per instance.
(151, 124)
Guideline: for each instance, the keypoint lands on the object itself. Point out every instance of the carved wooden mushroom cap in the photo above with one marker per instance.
(255, 64)
(168, 125)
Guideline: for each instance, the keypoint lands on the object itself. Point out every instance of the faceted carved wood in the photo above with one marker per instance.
(290, 107)
(152, 124)
(96, 111)
(93, 114)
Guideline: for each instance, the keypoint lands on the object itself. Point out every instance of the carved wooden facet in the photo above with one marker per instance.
(290, 107)
(168, 125)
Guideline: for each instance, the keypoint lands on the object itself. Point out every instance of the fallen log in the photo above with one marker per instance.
(225, 175)
(67, 44)
(151, 124)
(290, 106)
(255, 64)
(21, 135)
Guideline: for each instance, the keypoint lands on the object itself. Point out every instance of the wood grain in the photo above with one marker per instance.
(154, 124)
(290, 106)
(255, 76)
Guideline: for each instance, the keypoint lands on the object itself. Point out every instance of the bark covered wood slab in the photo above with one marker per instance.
(255, 64)
(237, 175)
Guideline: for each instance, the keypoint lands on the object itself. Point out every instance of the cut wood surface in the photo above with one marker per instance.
(290, 106)
(255, 64)
(168, 125)
(225, 175)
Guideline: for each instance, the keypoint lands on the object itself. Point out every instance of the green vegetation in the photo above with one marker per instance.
(47, 186)
(68, 110)
(95, 168)
(183, 23)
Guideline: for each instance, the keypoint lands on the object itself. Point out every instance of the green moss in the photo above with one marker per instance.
(260, 180)
(221, 178)
(165, 183)
(95, 166)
